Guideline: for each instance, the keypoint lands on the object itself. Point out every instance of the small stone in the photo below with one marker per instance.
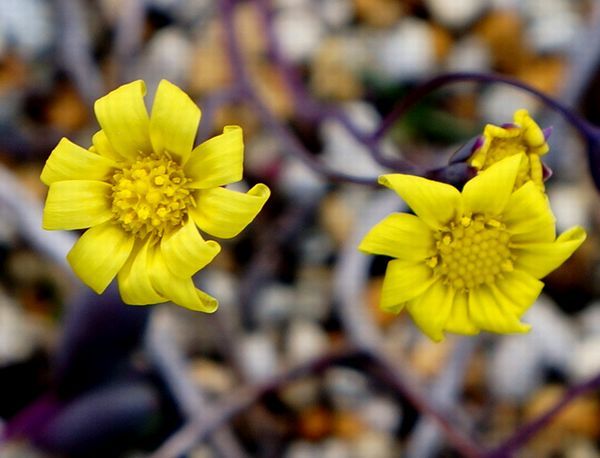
(301, 394)
(456, 15)
(335, 448)
(336, 67)
(554, 32)
(215, 379)
(17, 337)
(202, 451)
(570, 205)
(443, 42)
(428, 358)
(336, 13)
(29, 24)
(585, 362)
(347, 424)
(302, 449)
(589, 319)
(315, 423)
(336, 218)
(504, 33)
(374, 444)
(379, 13)
(305, 340)
(258, 357)
(273, 304)
(298, 32)
(470, 54)
(346, 388)
(249, 29)
(299, 182)
(167, 55)
(313, 294)
(546, 73)
(407, 52)
(381, 414)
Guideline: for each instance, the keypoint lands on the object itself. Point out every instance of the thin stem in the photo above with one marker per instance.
(308, 106)
(223, 411)
(461, 441)
(526, 432)
(287, 138)
(586, 129)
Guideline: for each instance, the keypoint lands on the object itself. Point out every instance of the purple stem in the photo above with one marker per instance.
(586, 129)
(306, 104)
(200, 428)
(526, 432)
(288, 139)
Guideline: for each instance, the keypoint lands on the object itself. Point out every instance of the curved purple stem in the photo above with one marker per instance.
(586, 129)
(525, 433)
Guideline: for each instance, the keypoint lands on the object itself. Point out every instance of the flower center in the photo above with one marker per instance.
(472, 251)
(150, 196)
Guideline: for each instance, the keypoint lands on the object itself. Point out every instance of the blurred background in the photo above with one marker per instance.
(298, 361)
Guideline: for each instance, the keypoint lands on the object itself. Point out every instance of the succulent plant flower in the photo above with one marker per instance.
(522, 137)
(142, 191)
(471, 260)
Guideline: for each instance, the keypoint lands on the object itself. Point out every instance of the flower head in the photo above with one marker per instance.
(522, 137)
(471, 260)
(142, 191)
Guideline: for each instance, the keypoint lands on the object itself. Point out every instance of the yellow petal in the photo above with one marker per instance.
(520, 289)
(217, 161)
(459, 321)
(134, 278)
(401, 236)
(186, 252)
(403, 281)
(489, 192)
(174, 121)
(533, 135)
(539, 259)
(102, 146)
(434, 202)
(430, 310)
(124, 119)
(487, 312)
(180, 291)
(225, 213)
(93, 263)
(69, 161)
(77, 204)
(528, 217)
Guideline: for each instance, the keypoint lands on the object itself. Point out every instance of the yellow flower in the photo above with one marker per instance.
(470, 260)
(523, 136)
(142, 189)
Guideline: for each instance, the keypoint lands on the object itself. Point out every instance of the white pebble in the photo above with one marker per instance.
(258, 357)
(381, 414)
(305, 340)
(17, 339)
(585, 362)
(469, 55)
(346, 388)
(458, 13)
(406, 52)
(273, 304)
(336, 13)
(298, 32)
